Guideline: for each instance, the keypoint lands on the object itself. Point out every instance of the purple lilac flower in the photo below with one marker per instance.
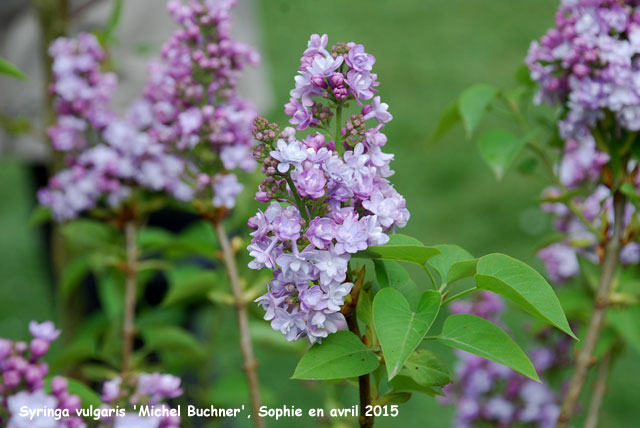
(328, 199)
(196, 112)
(588, 65)
(149, 388)
(489, 394)
(22, 376)
(106, 156)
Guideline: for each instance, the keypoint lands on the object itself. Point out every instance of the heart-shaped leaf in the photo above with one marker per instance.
(341, 355)
(478, 336)
(401, 248)
(448, 257)
(426, 369)
(524, 286)
(400, 330)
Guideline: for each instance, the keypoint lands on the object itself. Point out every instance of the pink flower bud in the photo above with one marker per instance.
(336, 79)
(39, 347)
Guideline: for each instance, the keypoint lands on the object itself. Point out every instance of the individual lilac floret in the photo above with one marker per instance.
(106, 156)
(196, 111)
(328, 199)
(150, 389)
(22, 383)
(488, 394)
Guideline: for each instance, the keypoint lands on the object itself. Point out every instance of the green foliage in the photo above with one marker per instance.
(391, 274)
(626, 322)
(106, 35)
(478, 336)
(10, 69)
(401, 248)
(499, 149)
(524, 286)
(450, 263)
(189, 284)
(172, 338)
(400, 330)
(426, 369)
(341, 355)
(473, 103)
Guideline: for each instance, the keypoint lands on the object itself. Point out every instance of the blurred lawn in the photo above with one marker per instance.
(427, 52)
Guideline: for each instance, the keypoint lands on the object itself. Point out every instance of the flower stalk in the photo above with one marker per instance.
(131, 273)
(599, 390)
(250, 364)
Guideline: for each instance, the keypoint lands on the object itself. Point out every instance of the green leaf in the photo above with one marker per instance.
(73, 274)
(523, 76)
(426, 369)
(401, 248)
(154, 238)
(170, 337)
(473, 103)
(40, 216)
(391, 274)
(364, 311)
(341, 355)
(524, 286)
(478, 336)
(449, 256)
(189, 284)
(627, 323)
(393, 397)
(577, 305)
(10, 69)
(400, 330)
(450, 118)
(405, 383)
(499, 149)
(85, 234)
(113, 21)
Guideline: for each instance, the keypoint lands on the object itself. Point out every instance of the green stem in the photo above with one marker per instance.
(457, 296)
(128, 325)
(338, 136)
(433, 280)
(597, 321)
(299, 203)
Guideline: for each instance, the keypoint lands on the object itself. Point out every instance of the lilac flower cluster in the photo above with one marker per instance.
(22, 374)
(150, 389)
(329, 194)
(490, 394)
(194, 107)
(561, 258)
(106, 156)
(589, 63)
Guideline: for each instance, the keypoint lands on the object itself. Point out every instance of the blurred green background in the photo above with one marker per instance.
(427, 52)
